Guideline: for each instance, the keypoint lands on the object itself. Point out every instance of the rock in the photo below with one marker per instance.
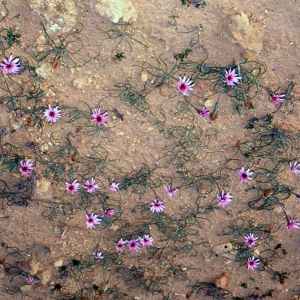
(44, 69)
(80, 83)
(42, 189)
(144, 75)
(223, 248)
(115, 10)
(57, 14)
(224, 281)
(34, 265)
(26, 288)
(247, 54)
(58, 263)
(45, 277)
(209, 103)
(248, 35)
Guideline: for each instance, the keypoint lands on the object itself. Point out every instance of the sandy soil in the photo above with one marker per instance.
(46, 233)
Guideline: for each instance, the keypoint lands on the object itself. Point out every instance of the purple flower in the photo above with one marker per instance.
(276, 98)
(294, 168)
(91, 186)
(72, 187)
(109, 213)
(114, 187)
(146, 240)
(98, 255)
(292, 224)
(120, 245)
(171, 191)
(250, 240)
(185, 85)
(11, 65)
(92, 220)
(26, 168)
(29, 280)
(52, 114)
(244, 175)
(133, 245)
(157, 206)
(231, 77)
(252, 263)
(98, 118)
(223, 199)
(203, 112)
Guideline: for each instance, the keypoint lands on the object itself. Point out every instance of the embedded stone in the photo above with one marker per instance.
(81, 82)
(223, 248)
(115, 10)
(42, 189)
(34, 265)
(247, 34)
(224, 281)
(44, 69)
(58, 263)
(57, 14)
(45, 276)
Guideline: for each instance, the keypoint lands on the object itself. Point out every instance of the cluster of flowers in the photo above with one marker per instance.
(245, 175)
(93, 219)
(52, 114)
(90, 186)
(252, 262)
(231, 78)
(293, 223)
(224, 199)
(134, 245)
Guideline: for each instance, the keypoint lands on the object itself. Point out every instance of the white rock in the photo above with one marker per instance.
(116, 10)
(248, 34)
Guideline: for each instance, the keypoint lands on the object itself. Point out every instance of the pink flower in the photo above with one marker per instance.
(98, 255)
(72, 187)
(29, 280)
(171, 191)
(252, 263)
(203, 112)
(223, 199)
(244, 175)
(185, 85)
(98, 118)
(276, 98)
(250, 240)
(120, 245)
(231, 77)
(52, 114)
(146, 240)
(294, 168)
(11, 65)
(292, 224)
(133, 245)
(109, 213)
(157, 206)
(91, 186)
(26, 167)
(92, 220)
(114, 186)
